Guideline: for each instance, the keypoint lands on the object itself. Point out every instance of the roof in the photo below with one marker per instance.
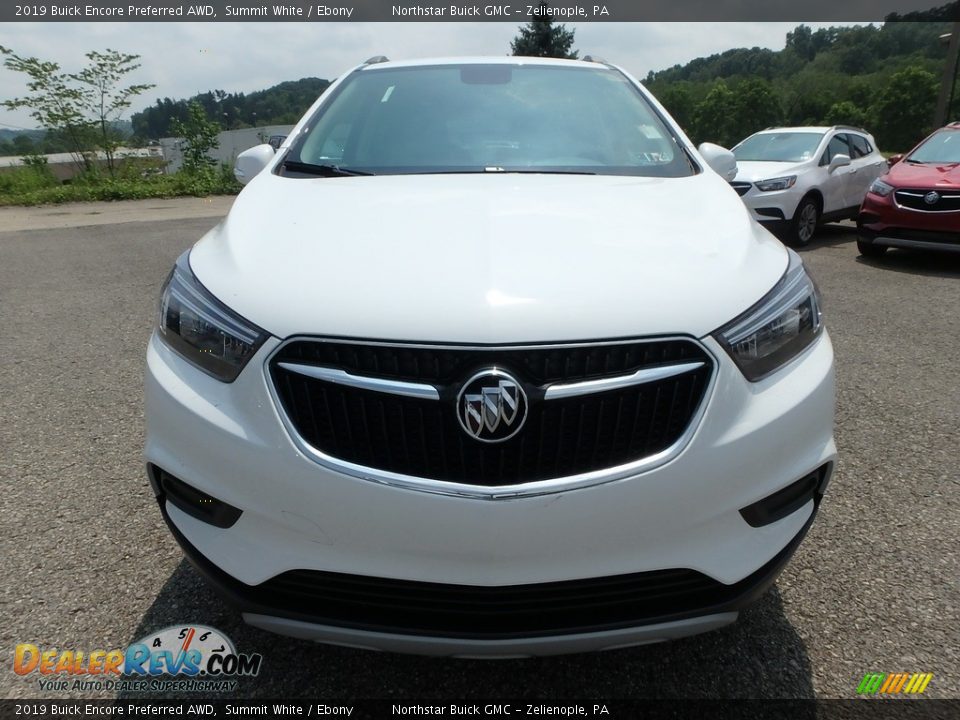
(813, 128)
(481, 60)
(808, 128)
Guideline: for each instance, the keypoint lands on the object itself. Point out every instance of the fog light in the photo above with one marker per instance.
(789, 499)
(192, 501)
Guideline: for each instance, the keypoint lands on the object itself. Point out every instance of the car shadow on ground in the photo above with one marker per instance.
(916, 262)
(760, 656)
(829, 235)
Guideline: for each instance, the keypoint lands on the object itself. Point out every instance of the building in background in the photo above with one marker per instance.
(232, 143)
(65, 166)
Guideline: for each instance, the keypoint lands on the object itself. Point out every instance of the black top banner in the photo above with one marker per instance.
(481, 11)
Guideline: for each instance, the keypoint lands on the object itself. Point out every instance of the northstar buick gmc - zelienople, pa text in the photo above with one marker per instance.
(488, 359)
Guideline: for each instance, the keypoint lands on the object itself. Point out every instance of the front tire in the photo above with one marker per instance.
(805, 221)
(869, 250)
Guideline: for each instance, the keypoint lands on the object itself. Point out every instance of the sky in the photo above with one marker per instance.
(183, 59)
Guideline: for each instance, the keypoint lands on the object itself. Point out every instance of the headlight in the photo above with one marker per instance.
(879, 187)
(780, 183)
(777, 328)
(202, 329)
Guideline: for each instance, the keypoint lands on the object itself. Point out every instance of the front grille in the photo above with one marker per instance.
(422, 438)
(742, 188)
(915, 200)
(387, 605)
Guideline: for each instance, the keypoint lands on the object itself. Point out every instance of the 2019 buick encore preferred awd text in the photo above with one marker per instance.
(488, 359)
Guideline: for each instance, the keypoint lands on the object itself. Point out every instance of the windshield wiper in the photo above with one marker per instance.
(322, 170)
(535, 171)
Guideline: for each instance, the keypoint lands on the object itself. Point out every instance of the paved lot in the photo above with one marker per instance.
(88, 564)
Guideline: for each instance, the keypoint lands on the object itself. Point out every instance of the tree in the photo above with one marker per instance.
(835, 75)
(540, 38)
(103, 100)
(801, 42)
(755, 107)
(903, 111)
(679, 102)
(281, 104)
(54, 101)
(712, 117)
(199, 135)
(845, 112)
(23, 145)
(79, 107)
(809, 95)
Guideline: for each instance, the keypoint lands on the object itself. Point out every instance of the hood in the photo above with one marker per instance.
(488, 258)
(754, 170)
(907, 174)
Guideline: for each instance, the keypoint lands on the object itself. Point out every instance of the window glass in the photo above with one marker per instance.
(859, 146)
(941, 147)
(838, 145)
(779, 146)
(483, 117)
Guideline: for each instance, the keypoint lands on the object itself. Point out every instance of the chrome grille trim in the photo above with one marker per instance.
(429, 392)
(341, 377)
(588, 387)
(954, 197)
(500, 492)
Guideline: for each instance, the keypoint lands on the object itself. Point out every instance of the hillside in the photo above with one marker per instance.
(281, 104)
(885, 78)
(41, 142)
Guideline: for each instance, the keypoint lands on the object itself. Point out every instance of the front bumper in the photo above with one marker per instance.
(228, 441)
(882, 222)
(773, 209)
(263, 609)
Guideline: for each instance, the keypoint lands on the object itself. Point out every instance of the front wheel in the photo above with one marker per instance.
(869, 250)
(805, 221)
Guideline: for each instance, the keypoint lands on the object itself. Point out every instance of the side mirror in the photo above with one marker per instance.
(276, 141)
(721, 161)
(252, 161)
(894, 159)
(838, 161)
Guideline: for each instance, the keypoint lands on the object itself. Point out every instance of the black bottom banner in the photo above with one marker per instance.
(865, 709)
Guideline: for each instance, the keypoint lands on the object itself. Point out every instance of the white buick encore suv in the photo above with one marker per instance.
(488, 359)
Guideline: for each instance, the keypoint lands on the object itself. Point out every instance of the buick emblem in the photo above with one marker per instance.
(491, 406)
(931, 198)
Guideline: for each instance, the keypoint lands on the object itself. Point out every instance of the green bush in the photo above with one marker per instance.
(27, 186)
(34, 175)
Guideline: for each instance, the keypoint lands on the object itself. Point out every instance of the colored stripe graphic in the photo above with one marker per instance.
(891, 679)
(894, 683)
(870, 683)
(927, 677)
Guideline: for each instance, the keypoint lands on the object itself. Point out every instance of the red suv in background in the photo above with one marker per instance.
(917, 203)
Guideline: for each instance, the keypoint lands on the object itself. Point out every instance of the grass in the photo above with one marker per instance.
(34, 184)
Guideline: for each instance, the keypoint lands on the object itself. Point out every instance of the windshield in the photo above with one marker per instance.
(779, 147)
(941, 147)
(489, 118)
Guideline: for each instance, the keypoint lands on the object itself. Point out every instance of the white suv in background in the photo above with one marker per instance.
(793, 178)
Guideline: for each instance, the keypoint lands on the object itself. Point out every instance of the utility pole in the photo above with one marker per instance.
(945, 101)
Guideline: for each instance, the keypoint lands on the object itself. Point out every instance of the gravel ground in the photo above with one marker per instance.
(88, 563)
